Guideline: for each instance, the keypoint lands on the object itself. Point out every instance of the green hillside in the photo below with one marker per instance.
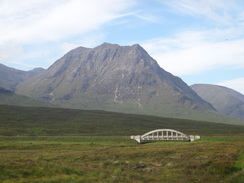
(7, 97)
(40, 121)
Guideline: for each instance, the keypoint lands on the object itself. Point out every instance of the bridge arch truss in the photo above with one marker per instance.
(164, 134)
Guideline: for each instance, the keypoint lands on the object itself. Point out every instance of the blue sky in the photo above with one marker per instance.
(200, 41)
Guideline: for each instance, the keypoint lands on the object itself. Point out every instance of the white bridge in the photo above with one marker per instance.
(164, 134)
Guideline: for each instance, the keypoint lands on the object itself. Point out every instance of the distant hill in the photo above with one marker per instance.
(41, 121)
(10, 77)
(7, 97)
(227, 101)
(117, 78)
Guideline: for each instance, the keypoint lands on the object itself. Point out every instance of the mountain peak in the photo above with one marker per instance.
(136, 46)
(111, 45)
(115, 78)
(106, 45)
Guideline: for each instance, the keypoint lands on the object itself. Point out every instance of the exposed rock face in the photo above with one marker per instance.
(116, 78)
(10, 77)
(227, 101)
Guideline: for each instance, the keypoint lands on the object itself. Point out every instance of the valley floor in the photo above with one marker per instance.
(58, 159)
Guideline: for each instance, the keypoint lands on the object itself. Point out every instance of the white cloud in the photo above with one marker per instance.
(36, 21)
(196, 51)
(147, 17)
(223, 12)
(236, 84)
(9, 50)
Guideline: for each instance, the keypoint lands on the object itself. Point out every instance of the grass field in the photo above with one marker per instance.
(37, 160)
(34, 121)
(64, 159)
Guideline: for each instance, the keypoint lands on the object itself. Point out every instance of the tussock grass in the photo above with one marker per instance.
(120, 160)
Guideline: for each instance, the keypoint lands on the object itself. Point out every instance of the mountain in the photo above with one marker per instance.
(10, 77)
(227, 101)
(7, 97)
(117, 78)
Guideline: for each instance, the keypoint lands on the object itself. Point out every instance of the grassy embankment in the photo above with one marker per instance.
(37, 160)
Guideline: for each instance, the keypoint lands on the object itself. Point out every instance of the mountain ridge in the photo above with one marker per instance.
(227, 101)
(10, 77)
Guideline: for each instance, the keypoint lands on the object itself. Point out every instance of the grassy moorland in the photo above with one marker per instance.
(34, 121)
(57, 160)
(110, 159)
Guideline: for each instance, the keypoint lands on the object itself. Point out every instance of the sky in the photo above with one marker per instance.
(200, 41)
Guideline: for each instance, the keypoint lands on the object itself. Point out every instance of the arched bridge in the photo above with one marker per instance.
(164, 134)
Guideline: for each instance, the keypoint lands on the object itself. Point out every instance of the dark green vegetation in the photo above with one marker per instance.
(57, 160)
(31, 121)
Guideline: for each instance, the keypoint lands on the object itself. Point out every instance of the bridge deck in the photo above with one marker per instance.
(164, 138)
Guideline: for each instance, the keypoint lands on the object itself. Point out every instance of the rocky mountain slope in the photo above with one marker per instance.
(10, 77)
(227, 101)
(117, 78)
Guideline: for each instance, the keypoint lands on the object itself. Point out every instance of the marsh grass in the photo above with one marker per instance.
(120, 160)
